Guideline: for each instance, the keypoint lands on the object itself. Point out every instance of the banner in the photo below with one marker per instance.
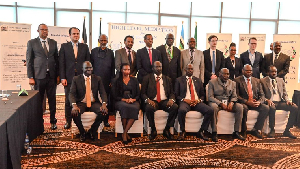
(290, 46)
(118, 31)
(13, 46)
(244, 40)
(224, 40)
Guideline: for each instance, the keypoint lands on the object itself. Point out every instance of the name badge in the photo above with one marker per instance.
(224, 102)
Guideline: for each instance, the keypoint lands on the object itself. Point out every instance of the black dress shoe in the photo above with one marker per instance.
(166, 133)
(181, 136)
(53, 126)
(129, 139)
(271, 134)
(107, 124)
(67, 125)
(91, 134)
(244, 134)
(289, 134)
(82, 137)
(153, 135)
(214, 137)
(201, 135)
(237, 135)
(256, 134)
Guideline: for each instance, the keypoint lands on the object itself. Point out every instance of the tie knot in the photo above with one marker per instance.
(248, 79)
(213, 52)
(44, 41)
(87, 78)
(192, 50)
(129, 50)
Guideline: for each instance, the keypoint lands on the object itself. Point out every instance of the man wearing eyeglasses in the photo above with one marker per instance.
(253, 58)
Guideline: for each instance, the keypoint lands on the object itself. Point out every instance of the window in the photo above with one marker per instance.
(265, 10)
(237, 9)
(73, 5)
(288, 27)
(209, 8)
(264, 27)
(289, 10)
(152, 19)
(141, 6)
(109, 6)
(175, 8)
(8, 14)
(36, 4)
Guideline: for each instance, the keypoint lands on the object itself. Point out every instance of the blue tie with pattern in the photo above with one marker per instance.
(214, 63)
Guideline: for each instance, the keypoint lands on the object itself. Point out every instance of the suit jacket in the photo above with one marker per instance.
(149, 87)
(220, 63)
(242, 91)
(282, 64)
(171, 69)
(267, 88)
(68, 65)
(234, 71)
(198, 63)
(257, 64)
(143, 62)
(37, 60)
(121, 57)
(118, 94)
(77, 91)
(217, 91)
(181, 88)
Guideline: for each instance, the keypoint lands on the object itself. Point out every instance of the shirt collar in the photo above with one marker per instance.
(73, 43)
(43, 39)
(274, 54)
(271, 79)
(168, 46)
(148, 48)
(127, 49)
(158, 76)
(189, 77)
(250, 52)
(86, 76)
(220, 81)
(247, 78)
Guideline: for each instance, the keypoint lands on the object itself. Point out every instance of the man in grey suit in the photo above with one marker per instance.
(126, 55)
(277, 99)
(42, 68)
(222, 96)
(253, 58)
(195, 57)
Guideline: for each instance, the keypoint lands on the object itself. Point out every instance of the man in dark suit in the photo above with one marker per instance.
(213, 59)
(170, 56)
(71, 57)
(278, 59)
(126, 55)
(42, 68)
(189, 93)
(84, 97)
(252, 97)
(277, 99)
(104, 66)
(253, 58)
(145, 58)
(157, 93)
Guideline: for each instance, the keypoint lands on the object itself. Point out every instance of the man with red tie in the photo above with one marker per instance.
(145, 58)
(157, 93)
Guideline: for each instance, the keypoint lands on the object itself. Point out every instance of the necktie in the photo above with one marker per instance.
(214, 63)
(45, 48)
(192, 57)
(88, 93)
(274, 86)
(191, 89)
(249, 88)
(129, 57)
(75, 50)
(157, 89)
(150, 56)
(252, 59)
(169, 54)
(276, 56)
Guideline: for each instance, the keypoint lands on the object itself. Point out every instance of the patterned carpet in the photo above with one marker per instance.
(56, 149)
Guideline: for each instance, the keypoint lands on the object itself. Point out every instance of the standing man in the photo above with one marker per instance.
(84, 97)
(190, 96)
(278, 59)
(222, 96)
(42, 68)
(277, 99)
(253, 58)
(213, 60)
(170, 56)
(252, 97)
(194, 57)
(71, 57)
(145, 58)
(126, 55)
(103, 61)
(157, 93)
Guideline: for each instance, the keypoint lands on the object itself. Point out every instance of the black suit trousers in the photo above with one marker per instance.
(263, 110)
(68, 106)
(201, 108)
(162, 105)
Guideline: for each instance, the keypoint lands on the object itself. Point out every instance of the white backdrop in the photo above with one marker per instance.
(118, 31)
(13, 46)
(224, 40)
(244, 40)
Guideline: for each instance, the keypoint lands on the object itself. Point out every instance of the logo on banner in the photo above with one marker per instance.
(4, 28)
(225, 52)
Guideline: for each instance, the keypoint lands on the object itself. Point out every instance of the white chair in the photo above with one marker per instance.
(137, 126)
(193, 122)
(87, 118)
(160, 119)
(281, 119)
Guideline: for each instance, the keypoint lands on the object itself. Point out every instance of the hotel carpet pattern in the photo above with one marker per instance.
(56, 149)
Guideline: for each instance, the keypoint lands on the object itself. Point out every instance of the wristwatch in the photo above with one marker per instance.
(146, 100)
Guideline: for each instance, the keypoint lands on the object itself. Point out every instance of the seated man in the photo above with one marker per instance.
(222, 96)
(157, 92)
(277, 99)
(251, 96)
(190, 96)
(84, 97)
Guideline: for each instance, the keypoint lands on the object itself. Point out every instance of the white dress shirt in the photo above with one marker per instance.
(274, 97)
(161, 87)
(188, 93)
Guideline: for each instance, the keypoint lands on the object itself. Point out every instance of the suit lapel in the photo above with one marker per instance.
(254, 87)
(244, 84)
(81, 80)
(39, 44)
(196, 85)
(268, 85)
(71, 50)
(153, 82)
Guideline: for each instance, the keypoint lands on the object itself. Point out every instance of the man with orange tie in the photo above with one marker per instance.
(145, 58)
(157, 93)
(84, 97)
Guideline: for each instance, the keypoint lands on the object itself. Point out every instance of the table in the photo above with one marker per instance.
(18, 116)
